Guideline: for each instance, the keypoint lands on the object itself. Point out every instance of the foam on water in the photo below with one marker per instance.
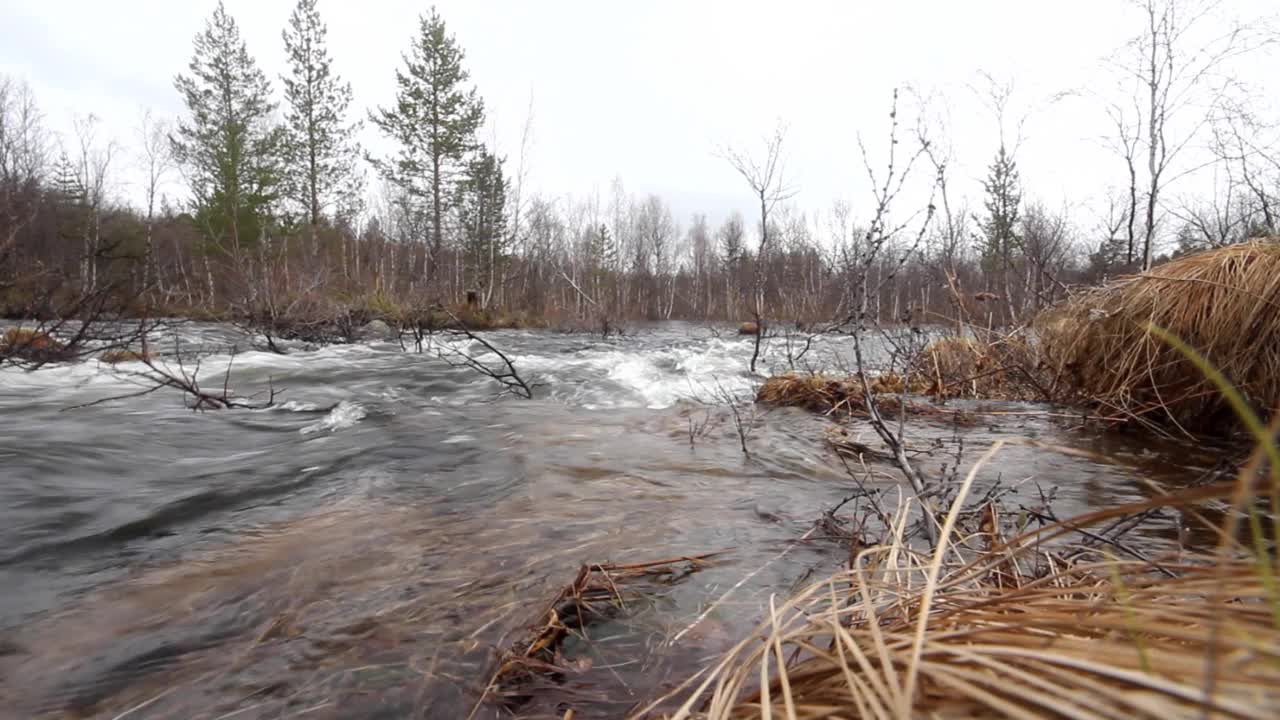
(343, 415)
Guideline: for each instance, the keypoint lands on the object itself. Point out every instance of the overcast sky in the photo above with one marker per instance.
(647, 91)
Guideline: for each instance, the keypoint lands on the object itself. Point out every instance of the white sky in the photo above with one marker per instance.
(647, 91)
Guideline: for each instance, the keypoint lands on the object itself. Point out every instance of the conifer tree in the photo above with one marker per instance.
(228, 146)
(602, 249)
(434, 122)
(320, 172)
(1004, 197)
(1000, 239)
(482, 211)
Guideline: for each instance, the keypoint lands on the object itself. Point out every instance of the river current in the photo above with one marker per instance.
(367, 547)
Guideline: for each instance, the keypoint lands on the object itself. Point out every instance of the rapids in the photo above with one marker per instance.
(365, 547)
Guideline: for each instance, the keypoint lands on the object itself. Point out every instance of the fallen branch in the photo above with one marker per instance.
(506, 375)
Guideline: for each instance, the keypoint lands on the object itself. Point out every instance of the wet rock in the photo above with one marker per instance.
(377, 330)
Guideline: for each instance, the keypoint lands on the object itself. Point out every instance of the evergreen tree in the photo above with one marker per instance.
(1000, 238)
(482, 211)
(601, 248)
(228, 145)
(434, 121)
(70, 200)
(320, 171)
(66, 184)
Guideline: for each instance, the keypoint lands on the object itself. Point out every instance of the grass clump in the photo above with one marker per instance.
(115, 357)
(1223, 302)
(994, 620)
(31, 344)
(1003, 367)
(840, 396)
(984, 626)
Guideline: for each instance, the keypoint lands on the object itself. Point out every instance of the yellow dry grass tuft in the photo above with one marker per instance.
(31, 345)
(1004, 367)
(115, 357)
(829, 395)
(29, 339)
(963, 633)
(1224, 303)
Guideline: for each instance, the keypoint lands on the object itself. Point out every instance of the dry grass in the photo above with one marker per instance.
(115, 357)
(32, 345)
(982, 627)
(1224, 303)
(28, 338)
(1001, 367)
(839, 396)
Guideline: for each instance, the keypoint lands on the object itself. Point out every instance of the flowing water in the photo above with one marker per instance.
(365, 548)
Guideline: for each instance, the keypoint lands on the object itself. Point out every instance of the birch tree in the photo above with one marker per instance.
(1176, 68)
(766, 177)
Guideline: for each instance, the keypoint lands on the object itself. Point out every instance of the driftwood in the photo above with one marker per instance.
(597, 592)
(505, 373)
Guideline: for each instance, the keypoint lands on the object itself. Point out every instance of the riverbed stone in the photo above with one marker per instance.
(377, 330)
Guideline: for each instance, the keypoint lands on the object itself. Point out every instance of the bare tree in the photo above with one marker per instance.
(156, 159)
(887, 187)
(1125, 144)
(183, 374)
(93, 162)
(766, 176)
(1250, 150)
(1175, 71)
(24, 149)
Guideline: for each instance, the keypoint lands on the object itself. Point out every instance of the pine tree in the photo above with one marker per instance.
(601, 248)
(1000, 238)
(482, 211)
(71, 205)
(320, 171)
(434, 121)
(66, 183)
(228, 145)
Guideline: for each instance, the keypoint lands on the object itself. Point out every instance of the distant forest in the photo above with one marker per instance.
(274, 222)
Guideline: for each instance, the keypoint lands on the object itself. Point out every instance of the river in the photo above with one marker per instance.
(365, 548)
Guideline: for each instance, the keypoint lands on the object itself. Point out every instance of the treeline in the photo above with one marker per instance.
(275, 223)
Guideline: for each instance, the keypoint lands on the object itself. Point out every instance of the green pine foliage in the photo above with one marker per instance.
(433, 122)
(227, 144)
(320, 172)
(1000, 239)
